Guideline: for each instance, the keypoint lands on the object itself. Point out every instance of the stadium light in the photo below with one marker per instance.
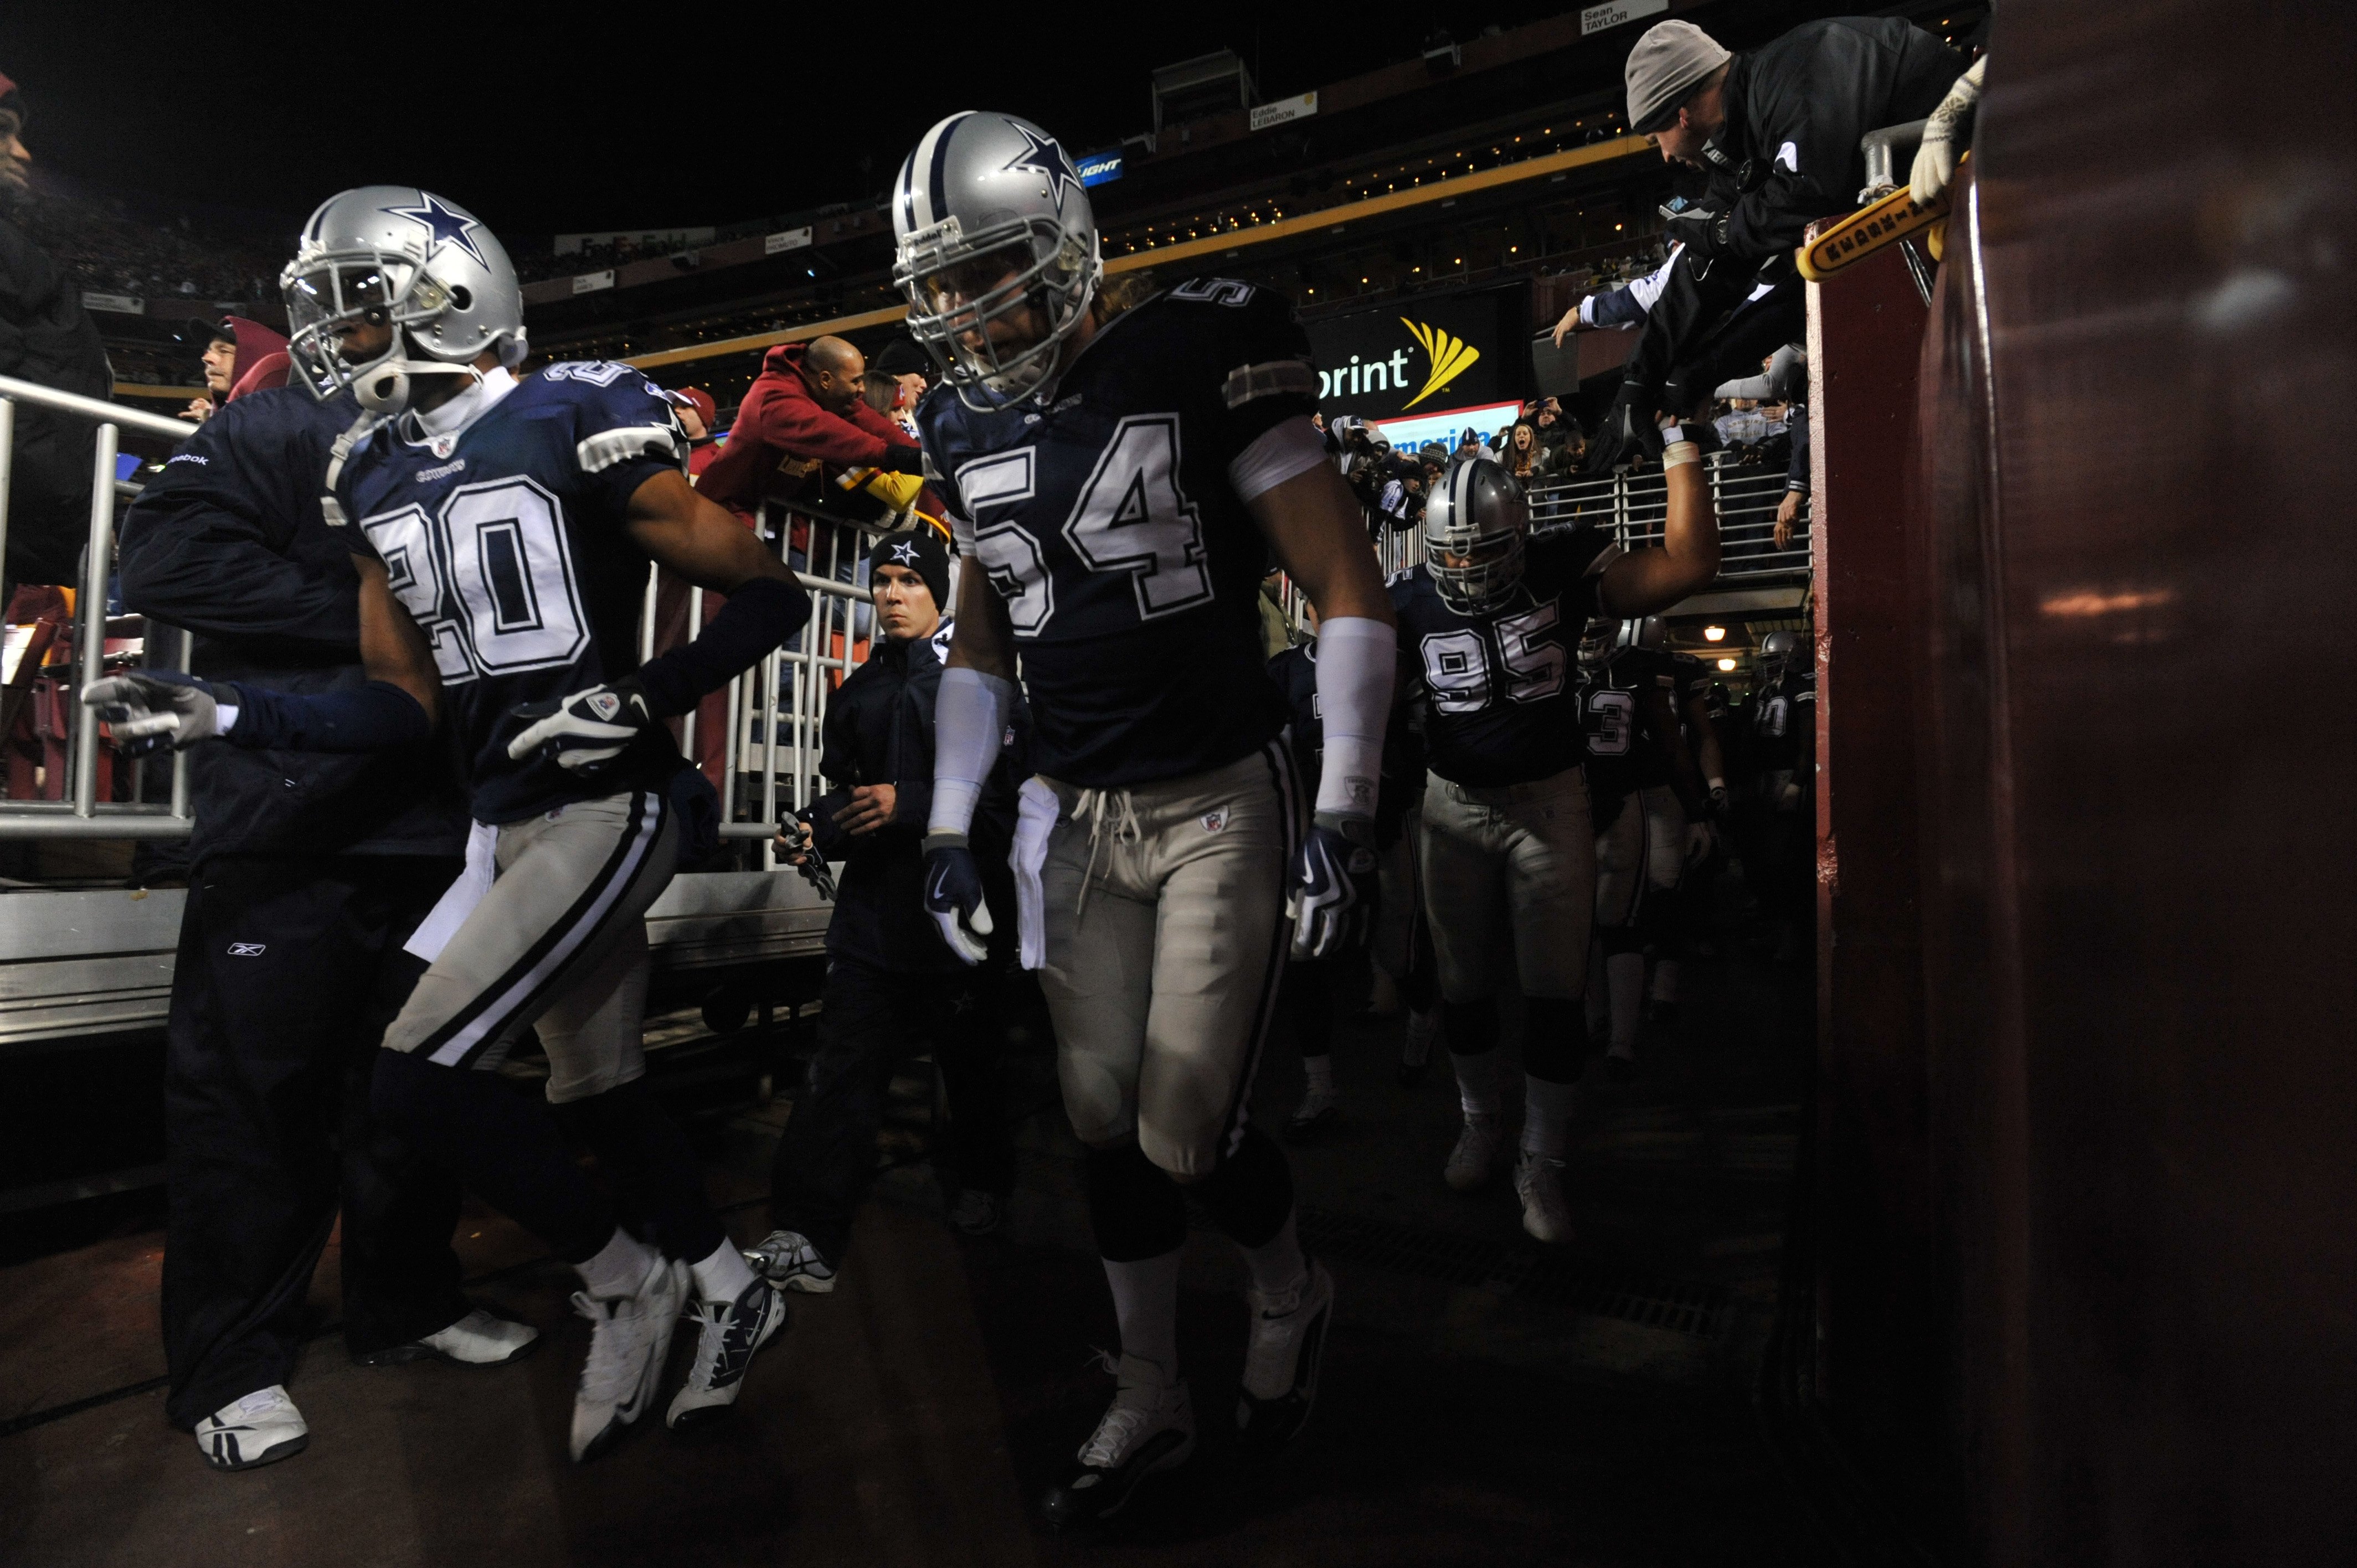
(1727, 664)
(1714, 634)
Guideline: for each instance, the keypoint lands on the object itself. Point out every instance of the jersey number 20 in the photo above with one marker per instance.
(488, 578)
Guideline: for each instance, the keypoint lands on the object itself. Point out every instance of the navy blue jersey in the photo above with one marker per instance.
(1623, 753)
(1501, 688)
(1295, 671)
(229, 542)
(506, 541)
(1783, 718)
(1107, 522)
(1693, 680)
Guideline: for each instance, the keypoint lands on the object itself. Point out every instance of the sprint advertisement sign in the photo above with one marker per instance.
(1423, 354)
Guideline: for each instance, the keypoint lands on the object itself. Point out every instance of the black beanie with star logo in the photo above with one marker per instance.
(920, 551)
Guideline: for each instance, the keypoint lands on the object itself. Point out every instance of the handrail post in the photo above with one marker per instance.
(89, 656)
(694, 626)
(8, 472)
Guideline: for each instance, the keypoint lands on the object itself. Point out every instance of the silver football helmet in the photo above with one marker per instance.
(393, 255)
(991, 219)
(1599, 640)
(1475, 524)
(1651, 633)
(1777, 650)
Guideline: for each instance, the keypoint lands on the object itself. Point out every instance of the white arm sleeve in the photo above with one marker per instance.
(969, 722)
(1280, 453)
(1357, 660)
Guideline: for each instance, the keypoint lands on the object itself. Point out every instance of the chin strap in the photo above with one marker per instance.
(351, 440)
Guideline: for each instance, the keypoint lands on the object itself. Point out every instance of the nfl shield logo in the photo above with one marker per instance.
(606, 704)
(1213, 822)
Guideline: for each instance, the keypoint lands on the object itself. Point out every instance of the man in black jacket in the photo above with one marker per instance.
(46, 338)
(310, 871)
(891, 984)
(1777, 129)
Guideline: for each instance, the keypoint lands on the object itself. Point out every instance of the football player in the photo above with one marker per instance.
(1118, 484)
(1701, 781)
(1489, 623)
(1318, 992)
(501, 533)
(1783, 755)
(1640, 780)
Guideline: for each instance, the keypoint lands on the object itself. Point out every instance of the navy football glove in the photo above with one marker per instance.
(954, 899)
(1330, 890)
(153, 710)
(587, 730)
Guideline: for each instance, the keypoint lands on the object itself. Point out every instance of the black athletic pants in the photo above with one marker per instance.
(288, 972)
(1701, 332)
(870, 1019)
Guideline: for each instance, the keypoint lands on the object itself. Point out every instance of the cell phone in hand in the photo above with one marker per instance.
(796, 825)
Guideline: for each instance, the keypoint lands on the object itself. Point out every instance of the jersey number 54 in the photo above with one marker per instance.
(1130, 516)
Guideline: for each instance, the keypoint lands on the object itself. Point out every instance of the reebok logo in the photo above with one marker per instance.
(247, 950)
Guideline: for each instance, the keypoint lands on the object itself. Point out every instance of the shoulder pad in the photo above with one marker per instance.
(600, 452)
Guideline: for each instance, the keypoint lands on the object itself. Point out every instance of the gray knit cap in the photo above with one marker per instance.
(1667, 64)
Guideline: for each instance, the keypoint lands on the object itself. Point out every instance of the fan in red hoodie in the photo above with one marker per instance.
(807, 405)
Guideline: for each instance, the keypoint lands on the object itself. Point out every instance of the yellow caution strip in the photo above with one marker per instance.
(1870, 229)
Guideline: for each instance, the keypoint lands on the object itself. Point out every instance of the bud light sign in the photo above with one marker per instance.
(1100, 168)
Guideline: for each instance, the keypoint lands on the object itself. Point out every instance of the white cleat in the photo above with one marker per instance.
(260, 1429)
(1475, 1158)
(478, 1340)
(1538, 1182)
(1282, 1361)
(788, 1261)
(626, 1347)
(728, 1334)
(1149, 1426)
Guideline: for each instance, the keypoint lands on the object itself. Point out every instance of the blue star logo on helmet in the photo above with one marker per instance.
(445, 225)
(1044, 156)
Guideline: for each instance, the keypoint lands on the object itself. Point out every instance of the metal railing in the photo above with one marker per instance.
(1631, 507)
(78, 814)
(775, 712)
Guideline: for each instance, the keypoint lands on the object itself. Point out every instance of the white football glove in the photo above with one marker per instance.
(585, 731)
(1950, 124)
(152, 709)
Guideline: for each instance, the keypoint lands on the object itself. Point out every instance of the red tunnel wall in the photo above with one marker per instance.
(2087, 1204)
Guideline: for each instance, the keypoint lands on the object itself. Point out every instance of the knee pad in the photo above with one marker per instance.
(1555, 1039)
(1251, 1192)
(1470, 1027)
(1134, 1206)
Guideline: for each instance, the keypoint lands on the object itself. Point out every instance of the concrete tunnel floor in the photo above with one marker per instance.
(1485, 1400)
